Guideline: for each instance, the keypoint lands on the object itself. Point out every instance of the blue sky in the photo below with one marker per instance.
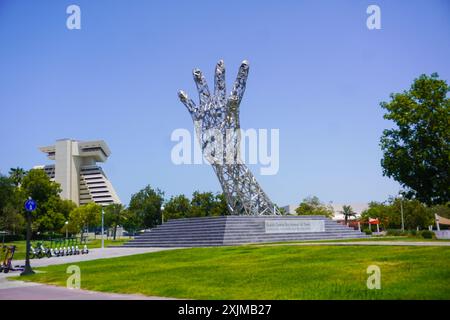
(317, 73)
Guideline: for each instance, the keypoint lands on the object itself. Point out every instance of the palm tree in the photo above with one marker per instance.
(347, 211)
(17, 175)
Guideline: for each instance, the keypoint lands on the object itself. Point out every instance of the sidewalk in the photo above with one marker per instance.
(20, 290)
(93, 254)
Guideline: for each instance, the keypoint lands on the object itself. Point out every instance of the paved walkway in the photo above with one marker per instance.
(93, 254)
(20, 290)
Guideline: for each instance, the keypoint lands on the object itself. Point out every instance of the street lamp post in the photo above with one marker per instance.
(162, 214)
(67, 231)
(401, 211)
(103, 227)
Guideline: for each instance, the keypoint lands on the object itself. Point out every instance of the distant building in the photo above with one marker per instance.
(358, 208)
(76, 170)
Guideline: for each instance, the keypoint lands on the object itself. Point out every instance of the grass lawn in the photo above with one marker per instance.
(272, 272)
(21, 246)
(373, 238)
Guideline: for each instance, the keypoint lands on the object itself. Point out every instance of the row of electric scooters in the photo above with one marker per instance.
(40, 251)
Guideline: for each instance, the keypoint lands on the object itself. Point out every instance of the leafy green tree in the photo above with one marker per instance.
(415, 213)
(442, 210)
(7, 189)
(221, 207)
(88, 215)
(131, 221)
(205, 204)
(51, 219)
(114, 216)
(17, 175)
(348, 212)
(147, 206)
(384, 212)
(37, 185)
(11, 217)
(56, 212)
(313, 206)
(177, 207)
(416, 152)
(282, 210)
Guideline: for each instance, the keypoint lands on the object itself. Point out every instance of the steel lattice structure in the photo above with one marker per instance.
(216, 122)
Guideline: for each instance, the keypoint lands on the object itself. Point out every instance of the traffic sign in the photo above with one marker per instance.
(30, 205)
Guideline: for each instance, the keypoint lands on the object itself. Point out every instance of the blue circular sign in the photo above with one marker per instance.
(30, 205)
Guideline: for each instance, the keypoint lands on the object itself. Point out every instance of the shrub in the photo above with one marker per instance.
(394, 232)
(427, 234)
(367, 231)
(12, 237)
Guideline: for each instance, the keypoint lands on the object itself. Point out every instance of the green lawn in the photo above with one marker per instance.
(21, 245)
(272, 272)
(373, 238)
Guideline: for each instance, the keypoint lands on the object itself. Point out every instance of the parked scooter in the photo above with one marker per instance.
(6, 265)
(35, 252)
(45, 251)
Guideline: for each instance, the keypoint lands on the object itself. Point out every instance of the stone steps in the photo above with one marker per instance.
(222, 229)
(233, 230)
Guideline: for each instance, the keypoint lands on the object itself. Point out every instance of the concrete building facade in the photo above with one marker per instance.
(76, 170)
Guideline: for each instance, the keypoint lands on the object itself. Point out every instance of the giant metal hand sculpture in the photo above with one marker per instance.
(216, 122)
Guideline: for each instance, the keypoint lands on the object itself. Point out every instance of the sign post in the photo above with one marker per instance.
(30, 206)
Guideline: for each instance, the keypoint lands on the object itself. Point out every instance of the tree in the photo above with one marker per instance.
(348, 212)
(313, 206)
(147, 206)
(114, 216)
(220, 205)
(85, 216)
(205, 204)
(17, 175)
(177, 207)
(6, 191)
(416, 152)
(130, 221)
(442, 210)
(37, 185)
(11, 218)
(385, 214)
(282, 210)
(55, 214)
(415, 214)
(51, 212)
